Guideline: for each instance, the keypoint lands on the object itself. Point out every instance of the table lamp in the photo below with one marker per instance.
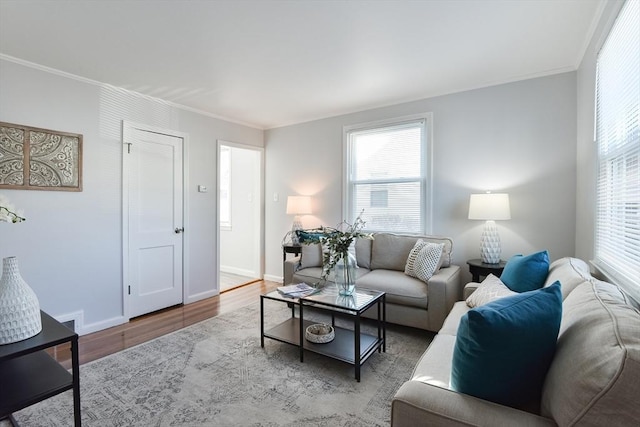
(297, 205)
(490, 207)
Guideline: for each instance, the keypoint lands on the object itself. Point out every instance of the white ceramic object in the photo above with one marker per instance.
(19, 306)
(320, 333)
(490, 244)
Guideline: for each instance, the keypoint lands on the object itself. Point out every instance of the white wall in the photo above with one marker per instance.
(240, 246)
(70, 247)
(586, 147)
(517, 138)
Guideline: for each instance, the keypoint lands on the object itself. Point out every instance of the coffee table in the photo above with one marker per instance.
(349, 345)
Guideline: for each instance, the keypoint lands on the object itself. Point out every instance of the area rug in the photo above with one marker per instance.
(215, 373)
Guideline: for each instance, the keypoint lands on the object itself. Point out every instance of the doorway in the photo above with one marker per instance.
(240, 201)
(153, 219)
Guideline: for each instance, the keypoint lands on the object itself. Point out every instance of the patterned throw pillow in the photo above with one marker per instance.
(489, 290)
(409, 268)
(426, 261)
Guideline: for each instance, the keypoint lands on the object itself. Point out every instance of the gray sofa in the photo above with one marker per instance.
(593, 380)
(381, 263)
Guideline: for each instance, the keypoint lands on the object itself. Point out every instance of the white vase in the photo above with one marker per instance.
(19, 306)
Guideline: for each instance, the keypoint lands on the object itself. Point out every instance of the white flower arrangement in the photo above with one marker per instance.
(8, 212)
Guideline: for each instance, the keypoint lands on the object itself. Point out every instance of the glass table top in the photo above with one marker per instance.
(328, 295)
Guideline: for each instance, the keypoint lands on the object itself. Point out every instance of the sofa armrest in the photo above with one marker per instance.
(443, 290)
(421, 404)
(469, 288)
(291, 265)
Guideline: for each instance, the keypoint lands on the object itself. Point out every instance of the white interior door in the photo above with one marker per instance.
(154, 197)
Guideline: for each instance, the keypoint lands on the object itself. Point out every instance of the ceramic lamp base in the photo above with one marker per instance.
(490, 249)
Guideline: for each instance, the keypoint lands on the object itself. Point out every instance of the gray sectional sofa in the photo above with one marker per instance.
(381, 264)
(593, 379)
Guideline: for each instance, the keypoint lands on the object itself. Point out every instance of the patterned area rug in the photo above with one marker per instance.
(215, 373)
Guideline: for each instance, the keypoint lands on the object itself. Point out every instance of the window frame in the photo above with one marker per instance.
(616, 272)
(225, 225)
(426, 178)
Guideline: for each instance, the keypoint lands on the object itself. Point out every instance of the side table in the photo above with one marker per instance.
(478, 268)
(290, 249)
(29, 375)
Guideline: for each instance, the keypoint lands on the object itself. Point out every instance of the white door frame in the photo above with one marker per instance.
(127, 128)
(261, 205)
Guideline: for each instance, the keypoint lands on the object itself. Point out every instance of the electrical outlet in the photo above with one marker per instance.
(276, 197)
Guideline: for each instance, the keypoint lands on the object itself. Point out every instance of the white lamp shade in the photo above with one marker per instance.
(489, 206)
(298, 205)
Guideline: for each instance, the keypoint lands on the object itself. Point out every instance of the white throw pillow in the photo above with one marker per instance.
(489, 290)
(424, 259)
(409, 268)
(428, 260)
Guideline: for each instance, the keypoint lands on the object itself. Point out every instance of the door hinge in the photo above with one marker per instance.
(129, 289)
(128, 144)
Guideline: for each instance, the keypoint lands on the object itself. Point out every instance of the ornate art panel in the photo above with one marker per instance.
(39, 159)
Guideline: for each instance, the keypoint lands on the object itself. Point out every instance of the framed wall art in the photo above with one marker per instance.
(39, 159)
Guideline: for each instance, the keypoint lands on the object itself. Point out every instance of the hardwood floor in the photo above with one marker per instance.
(150, 326)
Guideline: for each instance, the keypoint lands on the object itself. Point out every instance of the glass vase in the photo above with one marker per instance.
(345, 274)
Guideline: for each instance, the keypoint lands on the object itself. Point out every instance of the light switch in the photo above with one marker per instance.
(202, 189)
(276, 197)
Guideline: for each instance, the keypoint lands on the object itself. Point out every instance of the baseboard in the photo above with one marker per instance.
(200, 296)
(273, 278)
(98, 326)
(239, 271)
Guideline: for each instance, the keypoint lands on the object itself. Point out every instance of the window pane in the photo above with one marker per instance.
(402, 212)
(617, 250)
(381, 154)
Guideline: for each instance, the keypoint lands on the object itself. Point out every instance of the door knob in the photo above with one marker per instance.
(179, 230)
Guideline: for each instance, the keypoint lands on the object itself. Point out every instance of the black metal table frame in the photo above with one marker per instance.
(379, 343)
(45, 377)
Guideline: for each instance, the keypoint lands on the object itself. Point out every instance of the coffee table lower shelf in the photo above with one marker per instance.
(341, 348)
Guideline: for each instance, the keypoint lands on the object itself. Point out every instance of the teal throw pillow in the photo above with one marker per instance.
(504, 348)
(526, 273)
(310, 236)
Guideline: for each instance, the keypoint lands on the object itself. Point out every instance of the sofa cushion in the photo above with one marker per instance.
(489, 290)
(452, 322)
(503, 349)
(311, 255)
(313, 275)
(400, 288)
(363, 252)
(434, 367)
(526, 273)
(390, 251)
(594, 376)
(570, 272)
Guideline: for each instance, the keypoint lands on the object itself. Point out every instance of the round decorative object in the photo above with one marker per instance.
(19, 306)
(320, 333)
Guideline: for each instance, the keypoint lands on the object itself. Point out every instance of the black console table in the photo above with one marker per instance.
(29, 375)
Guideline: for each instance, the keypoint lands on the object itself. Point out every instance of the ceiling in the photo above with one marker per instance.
(274, 63)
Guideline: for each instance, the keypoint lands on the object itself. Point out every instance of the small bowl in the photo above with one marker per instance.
(320, 333)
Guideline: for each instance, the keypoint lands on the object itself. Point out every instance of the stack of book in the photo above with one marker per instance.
(297, 291)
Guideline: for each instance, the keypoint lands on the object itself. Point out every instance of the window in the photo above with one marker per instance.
(617, 240)
(225, 188)
(387, 175)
